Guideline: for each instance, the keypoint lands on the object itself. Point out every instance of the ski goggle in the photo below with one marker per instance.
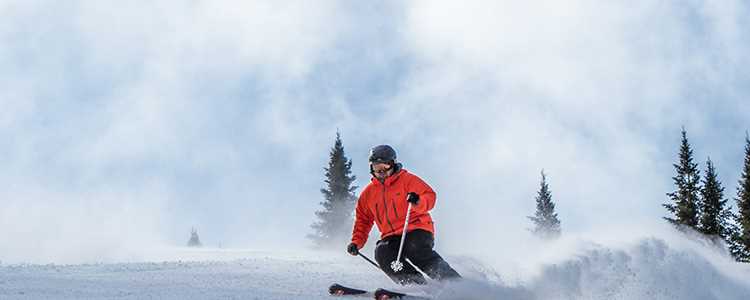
(381, 167)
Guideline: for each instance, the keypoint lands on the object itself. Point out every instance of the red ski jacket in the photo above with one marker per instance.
(385, 204)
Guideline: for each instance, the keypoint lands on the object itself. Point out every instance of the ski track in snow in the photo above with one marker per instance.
(642, 271)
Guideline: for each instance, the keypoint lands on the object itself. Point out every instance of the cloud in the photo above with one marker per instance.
(594, 93)
(106, 100)
(220, 115)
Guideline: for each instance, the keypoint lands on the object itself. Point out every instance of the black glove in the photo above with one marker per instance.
(412, 198)
(352, 249)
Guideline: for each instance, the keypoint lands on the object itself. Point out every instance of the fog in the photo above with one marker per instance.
(123, 125)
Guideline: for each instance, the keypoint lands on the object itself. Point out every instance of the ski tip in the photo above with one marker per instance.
(340, 290)
(334, 286)
(336, 290)
(383, 294)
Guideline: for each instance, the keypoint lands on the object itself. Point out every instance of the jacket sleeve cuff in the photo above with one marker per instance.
(360, 243)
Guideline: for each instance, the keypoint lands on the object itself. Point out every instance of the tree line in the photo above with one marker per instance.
(698, 203)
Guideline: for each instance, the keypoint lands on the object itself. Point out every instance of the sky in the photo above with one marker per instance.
(126, 124)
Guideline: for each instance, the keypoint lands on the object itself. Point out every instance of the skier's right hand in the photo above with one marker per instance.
(352, 249)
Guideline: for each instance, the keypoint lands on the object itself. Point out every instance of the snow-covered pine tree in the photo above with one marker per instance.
(546, 223)
(740, 246)
(194, 241)
(336, 219)
(715, 215)
(684, 205)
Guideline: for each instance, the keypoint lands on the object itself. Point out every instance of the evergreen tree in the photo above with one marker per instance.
(684, 206)
(336, 219)
(715, 215)
(546, 224)
(194, 241)
(741, 238)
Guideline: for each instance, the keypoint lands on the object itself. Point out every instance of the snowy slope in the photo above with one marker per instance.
(642, 270)
(258, 276)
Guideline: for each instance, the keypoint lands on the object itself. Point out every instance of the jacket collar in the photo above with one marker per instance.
(391, 179)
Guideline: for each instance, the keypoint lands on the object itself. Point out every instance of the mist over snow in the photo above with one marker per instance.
(124, 125)
(667, 267)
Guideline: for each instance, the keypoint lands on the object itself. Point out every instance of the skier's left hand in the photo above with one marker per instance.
(352, 249)
(412, 198)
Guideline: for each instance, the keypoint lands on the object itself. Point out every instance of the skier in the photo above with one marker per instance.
(384, 201)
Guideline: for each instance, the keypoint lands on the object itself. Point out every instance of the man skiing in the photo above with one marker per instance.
(385, 201)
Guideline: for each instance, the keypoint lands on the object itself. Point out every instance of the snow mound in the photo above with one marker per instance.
(650, 269)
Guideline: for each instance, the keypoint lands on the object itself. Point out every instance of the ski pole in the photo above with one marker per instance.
(397, 265)
(368, 260)
(416, 268)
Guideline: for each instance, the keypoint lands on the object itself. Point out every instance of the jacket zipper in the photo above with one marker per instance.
(385, 209)
(395, 210)
(377, 213)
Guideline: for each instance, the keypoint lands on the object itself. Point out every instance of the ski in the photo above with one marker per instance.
(383, 294)
(340, 290)
(380, 294)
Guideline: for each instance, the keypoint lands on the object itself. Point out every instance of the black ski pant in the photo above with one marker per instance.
(418, 249)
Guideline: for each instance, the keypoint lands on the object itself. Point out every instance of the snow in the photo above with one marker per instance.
(649, 268)
(206, 274)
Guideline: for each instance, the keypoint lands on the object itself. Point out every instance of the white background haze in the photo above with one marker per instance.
(124, 124)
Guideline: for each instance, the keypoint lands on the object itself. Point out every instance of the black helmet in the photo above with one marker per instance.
(382, 154)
